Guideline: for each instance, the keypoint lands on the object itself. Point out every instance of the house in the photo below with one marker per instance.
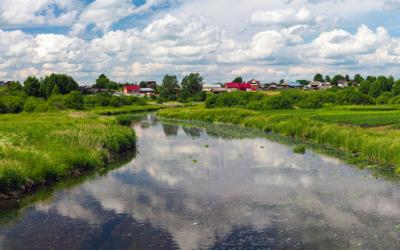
(132, 90)
(213, 88)
(294, 85)
(313, 85)
(150, 84)
(146, 91)
(343, 84)
(234, 86)
(255, 84)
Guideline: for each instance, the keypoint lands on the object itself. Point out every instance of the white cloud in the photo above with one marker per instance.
(27, 13)
(287, 16)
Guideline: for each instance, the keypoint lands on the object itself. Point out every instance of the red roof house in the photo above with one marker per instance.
(131, 89)
(239, 86)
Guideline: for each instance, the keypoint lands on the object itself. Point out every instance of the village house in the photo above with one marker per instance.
(235, 86)
(137, 90)
(213, 88)
(343, 84)
(131, 90)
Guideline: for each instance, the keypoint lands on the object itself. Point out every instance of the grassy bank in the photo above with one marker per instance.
(40, 148)
(359, 132)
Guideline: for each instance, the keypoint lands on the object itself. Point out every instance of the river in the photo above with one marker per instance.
(216, 188)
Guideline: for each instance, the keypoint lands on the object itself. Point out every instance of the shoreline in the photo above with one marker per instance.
(349, 140)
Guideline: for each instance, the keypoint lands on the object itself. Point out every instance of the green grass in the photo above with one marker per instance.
(376, 145)
(39, 148)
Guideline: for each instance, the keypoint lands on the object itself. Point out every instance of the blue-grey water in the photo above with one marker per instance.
(192, 188)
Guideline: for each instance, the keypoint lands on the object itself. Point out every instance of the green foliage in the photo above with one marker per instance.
(169, 88)
(102, 82)
(65, 84)
(191, 86)
(32, 86)
(396, 88)
(384, 98)
(358, 78)
(319, 78)
(336, 78)
(42, 147)
(11, 104)
(238, 79)
(34, 104)
(56, 102)
(74, 100)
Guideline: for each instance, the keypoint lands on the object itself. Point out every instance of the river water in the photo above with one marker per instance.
(216, 188)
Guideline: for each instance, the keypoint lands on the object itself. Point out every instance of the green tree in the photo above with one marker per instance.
(14, 86)
(318, 78)
(32, 86)
(143, 84)
(238, 79)
(169, 89)
(327, 78)
(382, 84)
(65, 84)
(191, 85)
(396, 88)
(102, 82)
(347, 78)
(336, 79)
(358, 78)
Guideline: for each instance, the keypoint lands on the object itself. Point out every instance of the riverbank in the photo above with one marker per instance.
(369, 134)
(38, 149)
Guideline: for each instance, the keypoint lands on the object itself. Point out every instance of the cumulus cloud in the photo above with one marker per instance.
(263, 39)
(285, 17)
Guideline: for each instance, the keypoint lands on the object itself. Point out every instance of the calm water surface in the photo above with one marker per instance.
(191, 188)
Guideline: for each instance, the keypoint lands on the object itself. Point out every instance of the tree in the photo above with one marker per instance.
(347, 78)
(169, 88)
(303, 82)
(102, 82)
(65, 84)
(143, 84)
(14, 86)
(32, 86)
(336, 78)
(327, 78)
(358, 78)
(238, 79)
(382, 84)
(282, 81)
(318, 78)
(191, 85)
(396, 88)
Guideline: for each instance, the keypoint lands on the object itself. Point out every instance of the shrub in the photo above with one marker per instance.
(11, 104)
(384, 98)
(74, 100)
(33, 104)
(56, 102)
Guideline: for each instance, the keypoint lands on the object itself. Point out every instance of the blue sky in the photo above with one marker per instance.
(145, 39)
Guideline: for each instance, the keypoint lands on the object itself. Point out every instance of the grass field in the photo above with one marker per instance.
(357, 132)
(37, 148)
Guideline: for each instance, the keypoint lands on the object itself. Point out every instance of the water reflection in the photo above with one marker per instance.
(189, 190)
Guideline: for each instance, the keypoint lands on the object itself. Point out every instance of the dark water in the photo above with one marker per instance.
(189, 188)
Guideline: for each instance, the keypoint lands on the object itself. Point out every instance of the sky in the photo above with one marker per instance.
(134, 40)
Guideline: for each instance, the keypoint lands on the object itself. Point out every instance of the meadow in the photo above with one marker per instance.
(41, 148)
(366, 131)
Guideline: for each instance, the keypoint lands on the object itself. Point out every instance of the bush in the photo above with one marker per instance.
(34, 104)
(56, 102)
(74, 100)
(384, 98)
(11, 104)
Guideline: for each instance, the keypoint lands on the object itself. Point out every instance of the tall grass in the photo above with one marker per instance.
(43, 147)
(376, 145)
